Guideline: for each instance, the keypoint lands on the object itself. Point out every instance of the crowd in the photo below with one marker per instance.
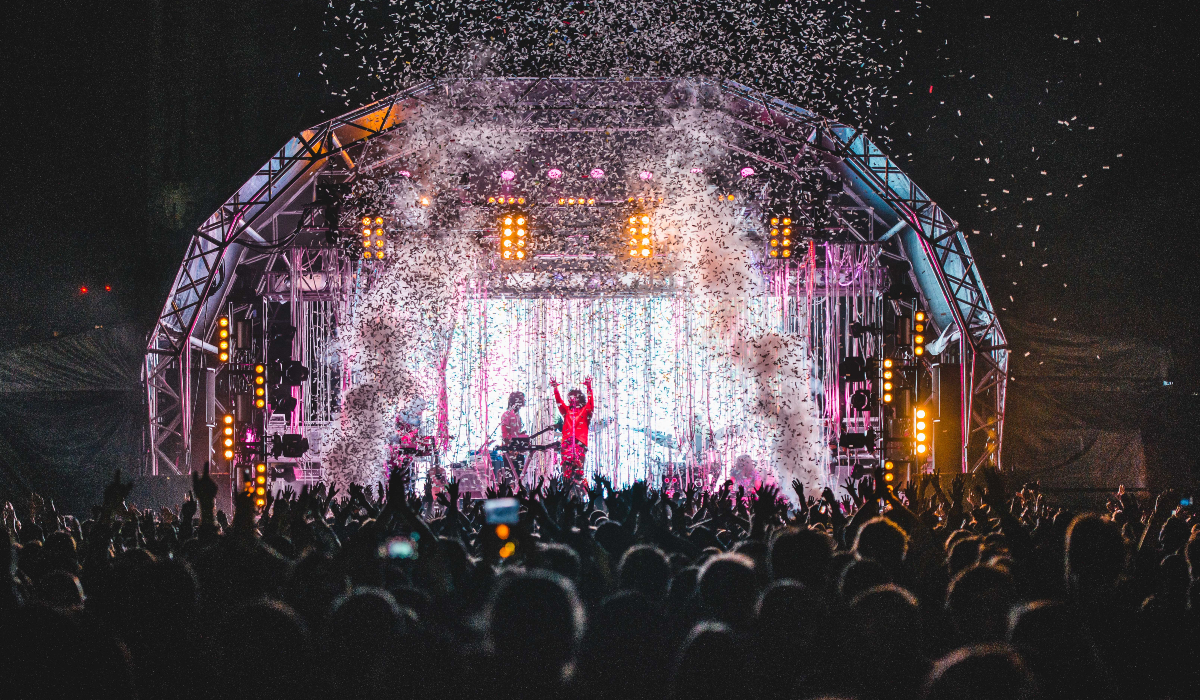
(963, 589)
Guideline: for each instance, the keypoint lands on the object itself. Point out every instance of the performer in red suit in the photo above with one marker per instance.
(577, 415)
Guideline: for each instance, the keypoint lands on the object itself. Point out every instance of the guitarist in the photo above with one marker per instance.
(512, 427)
(577, 416)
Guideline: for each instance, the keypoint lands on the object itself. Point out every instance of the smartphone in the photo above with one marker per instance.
(398, 548)
(501, 511)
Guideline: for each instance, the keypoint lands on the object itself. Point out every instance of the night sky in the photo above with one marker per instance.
(130, 122)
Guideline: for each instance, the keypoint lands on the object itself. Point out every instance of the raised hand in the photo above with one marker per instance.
(588, 382)
(553, 382)
(452, 492)
(188, 509)
(204, 488)
(799, 489)
(116, 492)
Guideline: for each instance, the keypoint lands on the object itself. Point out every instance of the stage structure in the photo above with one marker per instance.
(751, 285)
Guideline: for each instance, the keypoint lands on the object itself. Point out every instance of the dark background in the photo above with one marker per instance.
(129, 123)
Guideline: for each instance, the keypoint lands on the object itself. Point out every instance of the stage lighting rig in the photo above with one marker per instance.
(289, 445)
(223, 339)
(781, 243)
(922, 432)
(919, 333)
(374, 238)
(859, 441)
(229, 437)
(639, 236)
(516, 237)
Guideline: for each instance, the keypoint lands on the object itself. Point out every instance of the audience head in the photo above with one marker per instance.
(979, 672)
(729, 588)
(645, 569)
(884, 541)
(801, 554)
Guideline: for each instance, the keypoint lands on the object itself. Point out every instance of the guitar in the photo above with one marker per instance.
(525, 444)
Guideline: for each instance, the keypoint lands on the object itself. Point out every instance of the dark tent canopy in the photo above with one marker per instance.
(71, 411)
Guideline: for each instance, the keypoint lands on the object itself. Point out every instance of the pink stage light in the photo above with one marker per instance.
(553, 173)
(597, 173)
(697, 171)
(747, 172)
(508, 176)
(646, 175)
(405, 173)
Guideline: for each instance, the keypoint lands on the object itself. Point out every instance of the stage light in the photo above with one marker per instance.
(516, 238)
(491, 200)
(83, 290)
(780, 241)
(261, 491)
(502, 531)
(260, 479)
(921, 443)
(646, 175)
(508, 175)
(747, 172)
(860, 399)
(591, 201)
(597, 174)
(919, 339)
(919, 350)
(887, 398)
(887, 362)
(425, 201)
(554, 173)
(887, 386)
(571, 200)
(641, 239)
(562, 200)
(507, 550)
(260, 502)
(260, 468)
(108, 287)
(229, 454)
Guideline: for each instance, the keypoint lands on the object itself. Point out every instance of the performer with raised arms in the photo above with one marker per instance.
(577, 416)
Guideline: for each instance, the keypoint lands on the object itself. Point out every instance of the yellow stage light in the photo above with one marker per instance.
(260, 491)
(921, 449)
(424, 201)
(887, 398)
(920, 315)
(228, 454)
(502, 531)
(379, 255)
(228, 419)
(260, 403)
(919, 339)
(260, 502)
(888, 476)
(887, 362)
(919, 350)
(366, 221)
(223, 322)
(507, 550)
(261, 479)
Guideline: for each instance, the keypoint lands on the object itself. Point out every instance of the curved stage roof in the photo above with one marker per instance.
(879, 204)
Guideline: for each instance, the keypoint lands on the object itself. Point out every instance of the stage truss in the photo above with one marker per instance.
(273, 227)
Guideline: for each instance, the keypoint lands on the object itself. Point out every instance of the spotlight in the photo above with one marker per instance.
(640, 236)
(920, 434)
(516, 238)
(223, 338)
(289, 445)
(860, 399)
(780, 243)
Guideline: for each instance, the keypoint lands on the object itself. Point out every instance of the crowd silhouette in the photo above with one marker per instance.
(964, 589)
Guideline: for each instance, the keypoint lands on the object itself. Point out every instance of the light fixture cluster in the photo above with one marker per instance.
(373, 238)
(889, 376)
(643, 200)
(640, 236)
(223, 339)
(516, 240)
(780, 243)
(254, 482)
(921, 432)
(502, 199)
(573, 201)
(260, 386)
(889, 471)
(919, 334)
(228, 438)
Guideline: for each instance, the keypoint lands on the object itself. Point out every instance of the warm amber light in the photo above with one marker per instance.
(520, 200)
(379, 221)
(520, 232)
(888, 476)
(507, 550)
(562, 200)
(571, 200)
(260, 491)
(887, 374)
(920, 327)
(228, 430)
(633, 253)
(633, 219)
(491, 200)
(259, 403)
(920, 413)
(774, 221)
(645, 219)
(787, 253)
(887, 362)
(229, 442)
(887, 386)
(261, 479)
(502, 531)
(224, 321)
(366, 255)
(774, 253)
(379, 255)
(919, 350)
(920, 315)
(259, 379)
(645, 252)
(520, 221)
(591, 201)
(520, 255)
(224, 344)
(228, 419)
(366, 221)
(260, 502)
(887, 398)
(508, 222)
(224, 333)
(888, 465)
(787, 222)
(921, 449)
(424, 201)
(508, 254)
(919, 339)
(228, 454)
